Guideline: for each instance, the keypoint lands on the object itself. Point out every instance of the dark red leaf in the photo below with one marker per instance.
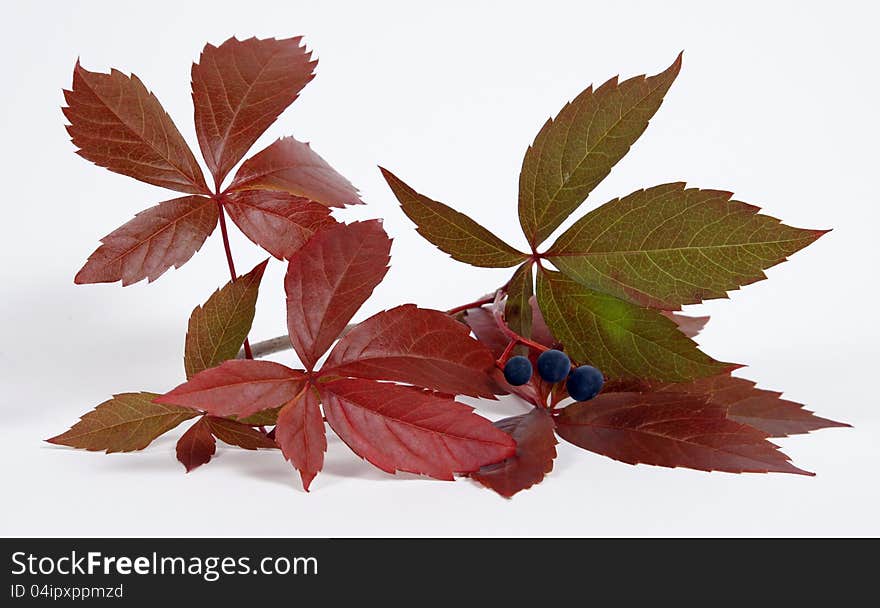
(239, 89)
(238, 388)
(197, 445)
(484, 327)
(301, 436)
(155, 240)
(670, 430)
(238, 434)
(118, 124)
(327, 282)
(535, 451)
(426, 348)
(402, 428)
(278, 222)
(292, 166)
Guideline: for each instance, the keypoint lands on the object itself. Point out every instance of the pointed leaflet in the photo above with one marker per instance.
(240, 387)
(621, 339)
(575, 151)
(292, 166)
(218, 328)
(118, 124)
(239, 89)
(669, 430)
(278, 222)
(451, 231)
(127, 422)
(327, 282)
(155, 240)
(517, 309)
(197, 445)
(426, 348)
(689, 326)
(402, 428)
(535, 451)
(667, 246)
(301, 436)
(238, 434)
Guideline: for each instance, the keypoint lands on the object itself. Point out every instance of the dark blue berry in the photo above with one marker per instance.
(553, 365)
(518, 370)
(584, 383)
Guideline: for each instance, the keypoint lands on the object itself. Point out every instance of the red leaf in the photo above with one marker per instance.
(292, 166)
(484, 327)
(155, 240)
(278, 222)
(239, 89)
(197, 445)
(327, 282)
(670, 430)
(301, 436)
(237, 388)
(402, 428)
(118, 124)
(238, 434)
(426, 348)
(689, 326)
(535, 451)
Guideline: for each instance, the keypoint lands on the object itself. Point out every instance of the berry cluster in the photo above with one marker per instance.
(583, 383)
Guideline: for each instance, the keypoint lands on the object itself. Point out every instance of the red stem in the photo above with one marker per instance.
(247, 345)
(498, 313)
(470, 305)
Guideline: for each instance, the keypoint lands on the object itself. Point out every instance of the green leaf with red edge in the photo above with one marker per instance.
(576, 150)
(621, 339)
(197, 445)
(116, 123)
(328, 280)
(218, 328)
(152, 242)
(238, 434)
(239, 387)
(300, 434)
(278, 222)
(668, 245)
(292, 166)
(689, 326)
(426, 348)
(239, 88)
(125, 423)
(453, 232)
(535, 452)
(670, 430)
(403, 428)
(517, 309)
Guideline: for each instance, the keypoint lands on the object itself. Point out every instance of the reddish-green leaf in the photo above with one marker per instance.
(218, 328)
(127, 422)
(402, 428)
(118, 124)
(239, 387)
(292, 166)
(278, 222)
(262, 418)
(667, 246)
(301, 436)
(535, 452)
(670, 430)
(197, 445)
(238, 434)
(517, 309)
(152, 242)
(451, 231)
(327, 282)
(575, 151)
(689, 326)
(239, 89)
(621, 339)
(426, 348)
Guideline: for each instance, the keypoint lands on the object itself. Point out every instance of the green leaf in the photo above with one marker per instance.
(619, 338)
(218, 328)
(127, 422)
(451, 231)
(575, 151)
(517, 310)
(667, 246)
(262, 418)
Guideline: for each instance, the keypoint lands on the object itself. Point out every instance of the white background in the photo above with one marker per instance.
(776, 101)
